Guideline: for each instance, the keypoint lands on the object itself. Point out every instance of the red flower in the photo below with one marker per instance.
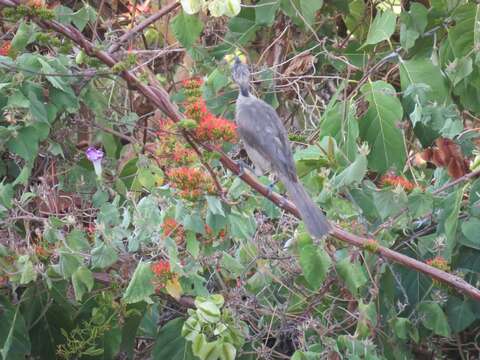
(191, 182)
(439, 263)
(161, 268)
(5, 49)
(193, 83)
(216, 129)
(192, 87)
(395, 180)
(183, 156)
(196, 110)
(173, 229)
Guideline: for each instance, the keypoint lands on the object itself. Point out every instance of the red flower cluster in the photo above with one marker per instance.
(5, 48)
(196, 109)
(192, 87)
(212, 128)
(183, 155)
(191, 182)
(209, 237)
(439, 263)
(173, 230)
(168, 150)
(395, 180)
(161, 268)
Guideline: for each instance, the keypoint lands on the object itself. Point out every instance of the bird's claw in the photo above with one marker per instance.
(241, 167)
(270, 188)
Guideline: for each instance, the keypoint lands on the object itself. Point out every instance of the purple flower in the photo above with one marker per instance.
(95, 156)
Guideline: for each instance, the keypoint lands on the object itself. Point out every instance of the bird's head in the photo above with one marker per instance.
(241, 74)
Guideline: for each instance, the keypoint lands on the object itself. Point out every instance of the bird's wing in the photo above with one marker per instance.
(261, 128)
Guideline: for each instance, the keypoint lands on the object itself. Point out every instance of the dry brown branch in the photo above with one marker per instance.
(147, 22)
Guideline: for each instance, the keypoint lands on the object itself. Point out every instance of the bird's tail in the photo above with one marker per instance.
(315, 222)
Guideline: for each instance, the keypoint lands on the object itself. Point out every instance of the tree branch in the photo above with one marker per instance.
(145, 23)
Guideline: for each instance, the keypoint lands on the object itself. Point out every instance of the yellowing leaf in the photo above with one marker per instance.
(173, 288)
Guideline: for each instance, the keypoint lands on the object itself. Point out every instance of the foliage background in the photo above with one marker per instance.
(381, 99)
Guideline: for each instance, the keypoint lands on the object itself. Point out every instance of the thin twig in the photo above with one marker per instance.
(147, 22)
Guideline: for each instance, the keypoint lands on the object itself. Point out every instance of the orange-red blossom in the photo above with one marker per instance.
(191, 182)
(395, 180)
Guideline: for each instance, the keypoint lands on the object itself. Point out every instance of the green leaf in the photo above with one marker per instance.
(413, 24)
(191, 328)
(265, 11)
(433, 318)
(232, 265)
(82, 281)
(232, 7)
(367, 320)
(470, 229)
(401, 327)
(383, 26)
(423, 71)
(354, 173)
(170, 344)
(379, 127)
(192, 6)
(315, 264)
(419, 203)
(204, 349)
(465, 35)
(186, 28)
(460, 314)
(103, 255)
(241, 226)
(227, 351)
(302, 12)
(37, 107)
(207, 311)
(14, 339)
(215, 205)
(27, 272)
(389, 202)
(135, 313)
(81, 17)
(140, 287)
(150, 177)
(194, 222)
(309, 9)
(352, 273)
(56, 81)
(25, 144)
(459, 69)
(243, 28)
(6, 195)
(77, 240)
(24, 35)
(448, 221)
(358, 19)
(68, 264)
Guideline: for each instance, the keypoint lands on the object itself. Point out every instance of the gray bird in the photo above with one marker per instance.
(266, 142)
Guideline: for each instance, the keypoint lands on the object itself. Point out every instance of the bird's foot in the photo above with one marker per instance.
(270, 187)
(241, 167)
